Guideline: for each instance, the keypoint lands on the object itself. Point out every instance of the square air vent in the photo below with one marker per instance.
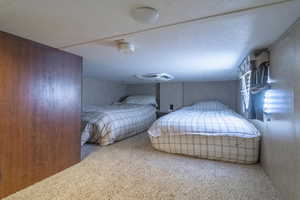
(156, 77)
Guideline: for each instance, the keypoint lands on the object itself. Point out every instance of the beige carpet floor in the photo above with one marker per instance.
(131, 169)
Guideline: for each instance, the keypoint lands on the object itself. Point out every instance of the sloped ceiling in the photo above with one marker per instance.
(203, 50)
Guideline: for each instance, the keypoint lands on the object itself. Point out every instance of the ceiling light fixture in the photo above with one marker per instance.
(145, 15)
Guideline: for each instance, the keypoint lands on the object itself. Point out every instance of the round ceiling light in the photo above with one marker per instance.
(145, 15)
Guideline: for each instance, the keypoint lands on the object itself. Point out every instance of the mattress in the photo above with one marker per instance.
(218, 135)
(106, 124)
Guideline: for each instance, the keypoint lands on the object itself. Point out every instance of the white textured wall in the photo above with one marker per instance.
(171, 93)
(97, 92)
(187, 93)
(141, 89)
(224, 91)
(281, 135)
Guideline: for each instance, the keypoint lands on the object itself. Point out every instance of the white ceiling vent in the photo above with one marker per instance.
(155, 77)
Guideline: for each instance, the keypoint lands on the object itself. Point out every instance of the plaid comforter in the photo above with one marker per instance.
(106, 124)
(192, 121)
(217, 135)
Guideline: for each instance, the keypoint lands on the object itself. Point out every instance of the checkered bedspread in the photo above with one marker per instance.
(106, 124)
(191, 121)
(218, 135)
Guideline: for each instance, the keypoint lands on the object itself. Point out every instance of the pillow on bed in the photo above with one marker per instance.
(209, 105)
(141, 99)
(89, 108)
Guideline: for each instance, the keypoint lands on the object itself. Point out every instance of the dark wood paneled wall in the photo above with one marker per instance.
(40, 104)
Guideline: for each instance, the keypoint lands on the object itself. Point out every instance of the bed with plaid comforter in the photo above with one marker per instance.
(218, 135)
(106, 124)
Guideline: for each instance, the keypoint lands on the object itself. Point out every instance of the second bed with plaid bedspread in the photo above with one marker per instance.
(107, 124)
(218, 135)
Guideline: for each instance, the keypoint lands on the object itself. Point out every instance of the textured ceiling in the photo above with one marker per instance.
(209, 49)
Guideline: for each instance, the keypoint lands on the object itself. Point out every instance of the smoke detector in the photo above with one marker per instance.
(156, 77)
(125, 47)
(145, 15)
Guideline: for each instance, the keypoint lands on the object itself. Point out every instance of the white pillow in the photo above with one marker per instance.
(209, 106)
(89, 108)
(141, 99)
